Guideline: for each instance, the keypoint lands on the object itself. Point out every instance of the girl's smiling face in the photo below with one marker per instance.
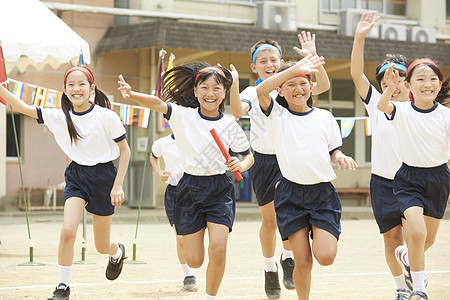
(210, 95)
(424, 84)
(78, 89)
(296, 91)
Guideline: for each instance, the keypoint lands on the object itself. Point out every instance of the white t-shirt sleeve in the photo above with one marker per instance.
(240, 142)
(334, 133)
(115, 127)
(156, 148)
(247, 96)
(53, 118)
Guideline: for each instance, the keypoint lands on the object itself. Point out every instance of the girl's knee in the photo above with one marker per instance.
(68, 235)
(325, 258)
(103, 248)
(269, 224)
(303, 266)
(194, 261)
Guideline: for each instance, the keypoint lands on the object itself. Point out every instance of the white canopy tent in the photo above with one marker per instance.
(31, 34)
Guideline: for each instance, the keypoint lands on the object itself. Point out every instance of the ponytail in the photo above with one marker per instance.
(66, 107)
(443, 97)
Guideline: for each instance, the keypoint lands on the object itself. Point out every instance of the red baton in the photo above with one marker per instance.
(224, 151)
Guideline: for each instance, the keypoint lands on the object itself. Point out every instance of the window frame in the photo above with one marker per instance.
(358, 5)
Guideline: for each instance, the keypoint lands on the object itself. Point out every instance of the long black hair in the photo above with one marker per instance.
(391, 59)
(66, 106)
(180, 81)
(280, 99)
(443, 96)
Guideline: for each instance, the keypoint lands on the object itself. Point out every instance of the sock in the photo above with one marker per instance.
(269, 264)
(287, 254)
(400, 283)
(418, 281)
(64, 274)
(186, 269)
(209, 297)
(118, 254)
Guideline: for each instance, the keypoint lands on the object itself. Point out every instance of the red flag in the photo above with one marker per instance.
(159, 84)
(3, 77)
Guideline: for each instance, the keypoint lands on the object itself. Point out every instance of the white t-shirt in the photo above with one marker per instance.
(385, 152)
(259, 139)
(167, 148)
(199, 153)
(100, 130)
(303, 142)
(423, 135)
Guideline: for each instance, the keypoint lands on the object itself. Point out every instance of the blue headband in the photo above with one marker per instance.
(265, 46)
(396, 66)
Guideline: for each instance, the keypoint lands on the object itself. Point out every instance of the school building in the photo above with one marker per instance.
(126, 37)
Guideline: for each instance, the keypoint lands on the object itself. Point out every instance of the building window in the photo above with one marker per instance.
(11, 150)
(447, 9)
(389, 7)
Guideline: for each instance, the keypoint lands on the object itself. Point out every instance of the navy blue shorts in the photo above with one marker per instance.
(264, 174)
(298, 206)
(202, 199)
(169, 202)
(424, 187)
(93, 184)
(386, 209)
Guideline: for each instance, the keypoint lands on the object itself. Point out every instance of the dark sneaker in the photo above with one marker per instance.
(190, 283)
(400, 253)
(272, 285)
(288, 267)
(115, 266)
(418, 296)
(402, 294)
(61, 292)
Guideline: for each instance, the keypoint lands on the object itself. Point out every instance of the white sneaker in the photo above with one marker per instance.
(400, 253)
(402, 294)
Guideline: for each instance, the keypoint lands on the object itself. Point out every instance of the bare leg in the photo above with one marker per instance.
(73, 210)
(299, 242)
(217, 251)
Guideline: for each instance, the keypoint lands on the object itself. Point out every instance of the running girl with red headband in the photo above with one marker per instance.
(306, 140)
(422, 183)
(92, 136)
(385, 153)
(195, 94)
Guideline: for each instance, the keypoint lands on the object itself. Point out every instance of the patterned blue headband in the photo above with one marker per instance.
(396, 66)
(265, 46)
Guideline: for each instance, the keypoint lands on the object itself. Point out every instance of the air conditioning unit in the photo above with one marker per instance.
(393, 32)
(277, 16)
(349, 19)
(422, 34)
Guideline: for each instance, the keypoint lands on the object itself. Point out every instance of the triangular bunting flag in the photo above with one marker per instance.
(20, 90)
(347, 126)
(144, 116)
(368, 127)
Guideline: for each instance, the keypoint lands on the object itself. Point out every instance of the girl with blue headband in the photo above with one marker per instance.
(385, 151)
(265, 173)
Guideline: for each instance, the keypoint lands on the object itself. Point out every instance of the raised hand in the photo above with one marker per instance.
(366, 23)
(234, 73)
(391, 77)
(124, 87)
(309, 63)
(307, 42)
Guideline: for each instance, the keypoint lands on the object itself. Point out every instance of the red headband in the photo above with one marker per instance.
(419, 61)
(218, 70)
(300, 75)
(82, 69)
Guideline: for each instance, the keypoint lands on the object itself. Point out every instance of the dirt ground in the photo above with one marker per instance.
(359, 271)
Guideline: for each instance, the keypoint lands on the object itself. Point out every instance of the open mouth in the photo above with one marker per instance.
(210, 100)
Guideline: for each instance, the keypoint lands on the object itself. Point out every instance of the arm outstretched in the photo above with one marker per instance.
(364, 26)
(152, 102)
(18, 104)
